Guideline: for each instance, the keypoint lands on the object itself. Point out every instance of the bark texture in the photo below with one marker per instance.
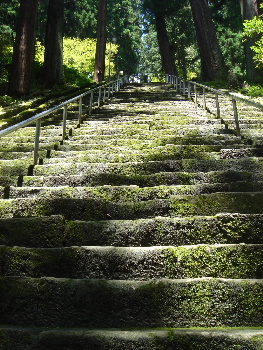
(99, 72)
(21, 77)
(212, 62)
(166, 50)
(53, 62)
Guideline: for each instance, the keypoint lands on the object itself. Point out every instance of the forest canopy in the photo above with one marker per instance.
(143, 37)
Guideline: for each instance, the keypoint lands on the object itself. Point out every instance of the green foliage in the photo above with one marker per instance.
(252, 90)
(150, 59)
(228, 22)
(124, 20)
(79, 59)
(254, 28)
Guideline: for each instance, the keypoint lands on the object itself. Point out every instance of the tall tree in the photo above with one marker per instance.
(160, 9)
(227, 18)
(212, 63)
(249, 10)
(99, 72)
(21, 78)
(124, 19)
(53, 60)
(166, 49)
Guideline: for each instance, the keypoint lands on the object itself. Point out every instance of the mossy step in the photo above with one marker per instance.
(28, 138)
(26, 147)
(130, 193)
(75, 154)
(126, 339)
(6, 181)
(79, 152)
(143, 147)
(178, 130)
(144, 168)
(93, 303)
(165, 178)
(15, 167)
(54, 231)
(135, 263)
(13, 155)
(154, 122)
(217, 140)
(241, 152)
(99, 208)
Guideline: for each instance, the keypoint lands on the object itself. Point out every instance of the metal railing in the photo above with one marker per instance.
(104, 92)
(190, 89)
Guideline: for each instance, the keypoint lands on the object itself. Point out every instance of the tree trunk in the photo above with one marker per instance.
(250, 9)
(99, 72)
(166, 50)
(212, 63)
(53, 61)
(21, 77)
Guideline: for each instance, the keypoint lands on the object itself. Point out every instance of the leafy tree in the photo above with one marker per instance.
(81, 18)
(124, 24)
(159, 10)
(227, 18)
(250, 9)
(255, 27)
(8, 15)
(150, 59)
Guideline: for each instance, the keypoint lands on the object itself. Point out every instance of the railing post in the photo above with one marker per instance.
(204, 99)
(217, 106)
(80, 109)
(64, 125)
(189, 89)
(176, 84)
(104, 94)
(99, 97)
(236, 116)
(90, 103)
(37, 135)
(183, 87)
(195, 90)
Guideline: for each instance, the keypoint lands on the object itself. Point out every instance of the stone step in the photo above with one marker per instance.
(98, 207)
(54, 231)
(114, 154)
(21, 338)
(179, 139)
(95, 141)
(176, 130)
(135, 263)
(61, 302)
(165, 178)
(26, 147)
(137, 142)
(142, 147)
(130, 193)
(141, 168)
(75, 154)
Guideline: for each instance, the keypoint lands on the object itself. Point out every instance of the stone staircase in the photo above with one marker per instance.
(143, 230)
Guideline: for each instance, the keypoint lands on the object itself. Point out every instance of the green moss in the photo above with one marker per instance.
(238, 261)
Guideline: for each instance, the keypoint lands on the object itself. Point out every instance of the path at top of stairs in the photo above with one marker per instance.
(142, 230)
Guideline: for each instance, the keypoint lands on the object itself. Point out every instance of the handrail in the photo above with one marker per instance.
(177, 83)
(111, 87)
